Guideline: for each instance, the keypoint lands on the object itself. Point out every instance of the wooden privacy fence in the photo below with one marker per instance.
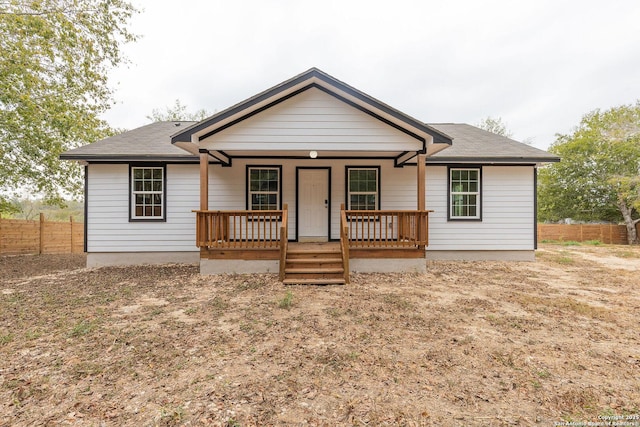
(605, 233)
(21, 237)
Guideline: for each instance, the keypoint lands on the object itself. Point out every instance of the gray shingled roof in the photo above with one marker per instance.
(474, 144)
(153, 142)
(149, 142)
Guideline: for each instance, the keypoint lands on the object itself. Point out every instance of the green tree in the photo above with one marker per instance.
(9, 207)
(177, 112)
(54, 61)
(496, 126)
(599, 175)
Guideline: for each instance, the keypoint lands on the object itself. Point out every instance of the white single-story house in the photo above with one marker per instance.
(260, 186)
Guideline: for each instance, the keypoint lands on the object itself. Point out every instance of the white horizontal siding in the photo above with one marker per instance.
(312, 120)
(108, 226)
(507, 211)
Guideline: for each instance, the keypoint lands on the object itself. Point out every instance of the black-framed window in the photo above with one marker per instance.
(264, 189)
(148, 193)
(363, 188)
(465, 193)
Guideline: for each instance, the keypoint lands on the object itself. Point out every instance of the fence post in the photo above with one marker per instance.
(71, 232)
(41, 248)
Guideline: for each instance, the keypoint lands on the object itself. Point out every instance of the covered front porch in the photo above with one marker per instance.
(260, 240)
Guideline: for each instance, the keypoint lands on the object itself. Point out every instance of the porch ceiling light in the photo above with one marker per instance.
(313, 154)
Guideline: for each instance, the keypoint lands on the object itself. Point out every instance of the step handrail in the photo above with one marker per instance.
(284, 241)
(344, 243)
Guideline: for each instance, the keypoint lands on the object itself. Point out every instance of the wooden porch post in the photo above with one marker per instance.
(422, 225)
(421, 181)
(204, 181)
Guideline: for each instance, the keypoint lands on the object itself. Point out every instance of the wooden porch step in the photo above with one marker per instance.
(327, 253)
(335, 281)
(314, 264)
(315, 270)
(315, 260)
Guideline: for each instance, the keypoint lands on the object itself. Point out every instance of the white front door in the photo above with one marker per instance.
(313, 205)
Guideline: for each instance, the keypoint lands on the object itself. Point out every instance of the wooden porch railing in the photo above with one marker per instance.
(240, 229)
(387, 228)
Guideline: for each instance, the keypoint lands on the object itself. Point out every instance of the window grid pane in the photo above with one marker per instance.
(363, 189)
(465, 193)
(147, 190)
(264, 188)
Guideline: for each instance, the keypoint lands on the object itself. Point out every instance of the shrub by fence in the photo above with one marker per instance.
(18, 237)
(605, 233)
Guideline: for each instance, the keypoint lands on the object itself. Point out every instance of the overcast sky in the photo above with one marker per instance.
(539, 65)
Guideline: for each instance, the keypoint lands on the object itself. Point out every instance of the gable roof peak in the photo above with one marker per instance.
(310, 78)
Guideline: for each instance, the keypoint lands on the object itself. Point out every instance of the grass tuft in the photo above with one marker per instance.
(626, 254)
(543, 374)
(564, 258)
(287, 301)
(83, 328)
(565, 304)
(6, 339)
(398, 302)
(172, 415)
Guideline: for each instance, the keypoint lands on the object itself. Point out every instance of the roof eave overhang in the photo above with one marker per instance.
(88, 158)
(191, 147)
(436, 147)
(491, 160)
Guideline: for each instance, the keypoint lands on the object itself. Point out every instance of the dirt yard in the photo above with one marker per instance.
(467, 344)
